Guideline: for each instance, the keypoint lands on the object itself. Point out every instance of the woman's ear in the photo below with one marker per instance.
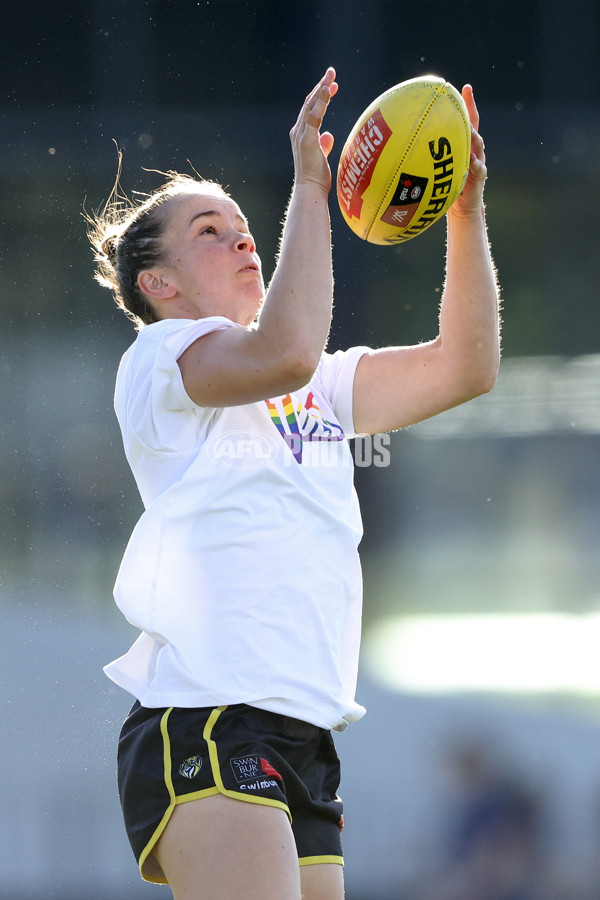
(155, 285)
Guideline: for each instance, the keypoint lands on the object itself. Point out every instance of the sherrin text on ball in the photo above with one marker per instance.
(405, 161)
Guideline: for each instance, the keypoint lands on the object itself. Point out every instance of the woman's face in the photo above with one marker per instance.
(211, 257)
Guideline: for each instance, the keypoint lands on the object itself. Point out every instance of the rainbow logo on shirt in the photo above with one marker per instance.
(301, 423)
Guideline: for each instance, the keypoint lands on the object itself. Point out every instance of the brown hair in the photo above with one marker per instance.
(126, 237)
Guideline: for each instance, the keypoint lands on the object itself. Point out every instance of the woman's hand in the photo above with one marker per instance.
(471, 198)
(310, 148)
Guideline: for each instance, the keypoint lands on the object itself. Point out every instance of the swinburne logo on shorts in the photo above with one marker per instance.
(259, 773)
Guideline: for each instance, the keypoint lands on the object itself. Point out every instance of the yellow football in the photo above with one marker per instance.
(405, 161)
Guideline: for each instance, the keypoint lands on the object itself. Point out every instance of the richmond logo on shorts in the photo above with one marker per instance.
(190, 767)
(256, 770)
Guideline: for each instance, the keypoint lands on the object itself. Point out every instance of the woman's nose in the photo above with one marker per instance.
(246, 242)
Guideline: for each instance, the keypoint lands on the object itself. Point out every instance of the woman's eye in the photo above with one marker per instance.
(210, 229)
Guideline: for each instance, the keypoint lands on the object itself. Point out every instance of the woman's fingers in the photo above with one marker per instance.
(316, 102)
(309, 146)
(469, 98)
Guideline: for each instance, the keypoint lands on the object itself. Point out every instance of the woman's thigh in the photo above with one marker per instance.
(322, 882)
(216, 848)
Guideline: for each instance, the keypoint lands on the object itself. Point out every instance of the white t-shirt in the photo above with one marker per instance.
(243, 573)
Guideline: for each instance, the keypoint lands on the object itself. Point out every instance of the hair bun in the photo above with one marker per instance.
(109, 247)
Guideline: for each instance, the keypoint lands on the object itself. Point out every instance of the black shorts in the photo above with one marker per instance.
(171, 756)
